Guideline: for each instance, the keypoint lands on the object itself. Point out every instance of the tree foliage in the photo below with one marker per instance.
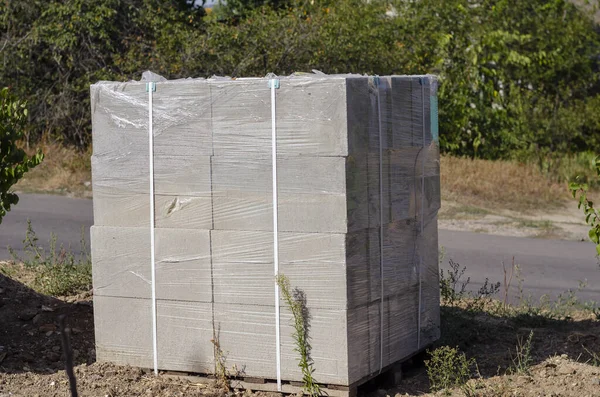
(14, 163)
(592, 214)
(518, 79)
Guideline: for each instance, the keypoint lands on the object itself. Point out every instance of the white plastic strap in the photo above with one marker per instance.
(274, 84)
(151, 87)
(381, 275)
(422, 214)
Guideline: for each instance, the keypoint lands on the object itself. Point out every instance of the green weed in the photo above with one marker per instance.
(522, 359)
(594, 357)
(448, 368)
(453, 290)
(57, 272)
(296, 302)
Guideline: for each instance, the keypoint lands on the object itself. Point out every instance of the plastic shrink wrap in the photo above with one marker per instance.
(358, 192)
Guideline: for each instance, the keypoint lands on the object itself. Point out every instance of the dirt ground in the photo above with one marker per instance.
(31, 362)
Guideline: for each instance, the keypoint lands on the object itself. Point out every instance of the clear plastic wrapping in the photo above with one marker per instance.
(358, 195)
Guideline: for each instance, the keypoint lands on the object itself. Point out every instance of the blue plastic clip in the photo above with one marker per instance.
(151, 86)
(274, 83)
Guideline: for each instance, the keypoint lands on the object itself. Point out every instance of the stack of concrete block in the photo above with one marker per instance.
(358, 194)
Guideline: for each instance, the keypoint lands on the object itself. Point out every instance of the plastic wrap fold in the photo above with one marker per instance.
(358, 192)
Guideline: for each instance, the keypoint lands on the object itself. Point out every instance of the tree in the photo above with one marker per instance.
(14, 162)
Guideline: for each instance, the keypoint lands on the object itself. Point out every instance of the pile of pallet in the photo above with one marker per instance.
(357, 186)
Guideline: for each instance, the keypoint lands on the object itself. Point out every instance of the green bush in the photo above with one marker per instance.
(14, 163)
(448, 368)
(517, 79)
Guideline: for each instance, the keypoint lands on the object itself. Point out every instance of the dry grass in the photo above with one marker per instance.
(65, 170)
(499, 185)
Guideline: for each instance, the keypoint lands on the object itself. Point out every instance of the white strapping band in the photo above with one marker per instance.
(381, 274)
(274, 85)
(151, 87)
(422, 213)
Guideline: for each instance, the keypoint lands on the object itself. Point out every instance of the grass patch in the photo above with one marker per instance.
(65, 170)
(499, 184)
(58, 272)
(512, 185)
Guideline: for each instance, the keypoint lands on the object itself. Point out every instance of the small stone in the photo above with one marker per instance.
(27, 314)
(36, 320)
(110, 373)
(94, 377)
(75, 331)
(53, 356)
(47, 328)
(596, 381)
(28, 357)
(564, 356)
(566, 370)
(87, 183)
(49, 333)
(75, 353)
(55, 349)
(47, 308)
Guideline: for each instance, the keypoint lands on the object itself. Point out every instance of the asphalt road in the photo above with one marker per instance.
(548, 266)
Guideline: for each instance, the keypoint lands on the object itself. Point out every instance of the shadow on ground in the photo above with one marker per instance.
(30, 339)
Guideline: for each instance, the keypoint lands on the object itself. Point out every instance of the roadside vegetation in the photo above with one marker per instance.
(517, 80)
(493, 345)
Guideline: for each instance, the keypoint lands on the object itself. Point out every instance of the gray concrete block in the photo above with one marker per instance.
(114, 207)
(311, 117)
(299, 174)
(123, 329)
(243, 268)
(181, 118)
(247, 334)
(173, 175)
(315, 194)
(320, 213)
(122, 265)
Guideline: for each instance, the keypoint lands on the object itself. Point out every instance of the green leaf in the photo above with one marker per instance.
(594, 236)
